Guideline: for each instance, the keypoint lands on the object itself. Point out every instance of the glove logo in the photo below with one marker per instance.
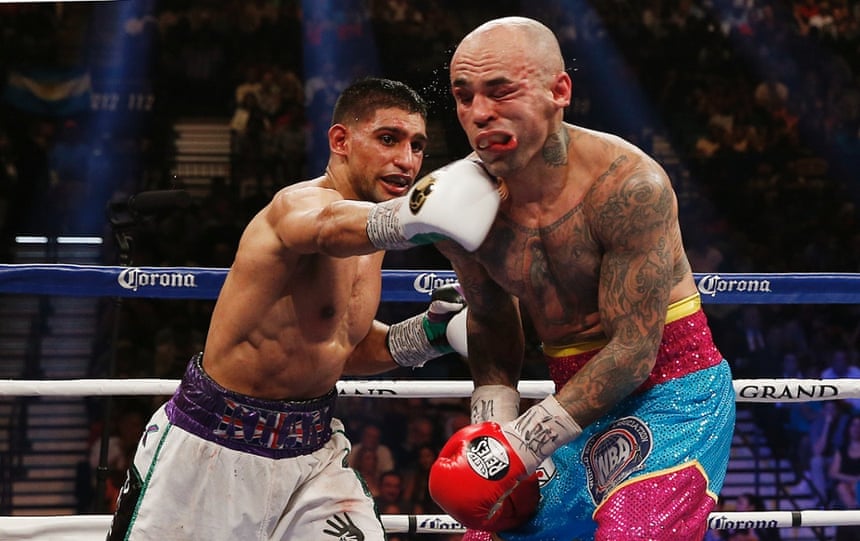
(488, 458)
(420, 192)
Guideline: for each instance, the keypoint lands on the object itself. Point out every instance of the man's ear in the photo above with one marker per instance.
(562, 89)
(338, 139)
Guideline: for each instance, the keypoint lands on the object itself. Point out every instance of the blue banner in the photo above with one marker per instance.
(397, 285)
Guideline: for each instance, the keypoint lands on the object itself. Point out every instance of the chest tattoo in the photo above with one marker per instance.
(540, 262)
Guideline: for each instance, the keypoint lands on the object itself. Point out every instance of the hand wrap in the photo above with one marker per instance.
(498, 403)
(415, 341)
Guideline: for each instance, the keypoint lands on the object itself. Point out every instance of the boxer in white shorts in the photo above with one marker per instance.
(247, 448)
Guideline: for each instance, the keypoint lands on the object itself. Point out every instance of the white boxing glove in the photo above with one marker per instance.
(457, 202)
(456, 332)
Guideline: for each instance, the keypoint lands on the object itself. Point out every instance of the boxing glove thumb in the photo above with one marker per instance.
(425, 336)
(481, 482)
(456, 332)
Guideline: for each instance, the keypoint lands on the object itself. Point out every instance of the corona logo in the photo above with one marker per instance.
(711, 284)
(134, 278)
(435, 523)
(426, 282)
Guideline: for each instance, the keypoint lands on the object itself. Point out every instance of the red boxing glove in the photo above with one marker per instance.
(480, 481)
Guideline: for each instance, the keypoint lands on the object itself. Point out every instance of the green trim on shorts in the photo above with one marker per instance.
(145, 483)
(346, 450)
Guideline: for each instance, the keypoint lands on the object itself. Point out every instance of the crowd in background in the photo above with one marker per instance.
(753, 107)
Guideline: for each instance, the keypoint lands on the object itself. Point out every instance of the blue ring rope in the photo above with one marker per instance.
(397, 285)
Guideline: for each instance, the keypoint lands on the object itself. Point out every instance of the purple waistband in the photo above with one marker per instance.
(269, 428)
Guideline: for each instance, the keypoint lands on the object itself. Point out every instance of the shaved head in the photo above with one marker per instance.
(511, 89)
(528, 37)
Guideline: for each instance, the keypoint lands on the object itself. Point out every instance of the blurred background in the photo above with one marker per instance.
(752, 106)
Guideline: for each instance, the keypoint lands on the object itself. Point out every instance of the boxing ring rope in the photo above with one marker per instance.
(86, 527)
(411, 286)
(746, 390)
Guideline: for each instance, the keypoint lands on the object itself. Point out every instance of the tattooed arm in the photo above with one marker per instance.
(495, 332)
(635, 218)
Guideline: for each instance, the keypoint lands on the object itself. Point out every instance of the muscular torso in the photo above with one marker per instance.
(285, 324)
(548, 252)
(552, 269)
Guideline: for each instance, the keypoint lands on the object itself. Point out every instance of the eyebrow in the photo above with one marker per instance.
(400, 132)
(497, 81)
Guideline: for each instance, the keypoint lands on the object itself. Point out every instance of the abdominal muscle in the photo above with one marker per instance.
(267, 372)
(271, 342)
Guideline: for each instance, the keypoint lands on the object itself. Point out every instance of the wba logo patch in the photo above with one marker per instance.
(612, 455)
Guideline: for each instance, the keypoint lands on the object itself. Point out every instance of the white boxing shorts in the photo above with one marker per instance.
(216, 465)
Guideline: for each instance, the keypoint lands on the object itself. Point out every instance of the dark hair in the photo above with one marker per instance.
(390, 473)
(756, 501)
(365, 96)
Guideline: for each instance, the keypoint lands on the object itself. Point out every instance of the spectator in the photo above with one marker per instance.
(248, 128)
(249, 85)
(292, 89)
(826, 434)
(371, 435)
(367, 466)
(703, 252)
(845, 466)
(416, 478)
(771, 93)
(750, 353)
(796, 418)
(455, 420)
(749, 502)
(840, 365)
(845, 472)
(391, 494)
(175, 344)
(269, 95)
(420, 432)
(288, 143)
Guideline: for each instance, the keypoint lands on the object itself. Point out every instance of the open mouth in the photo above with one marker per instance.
(396, 183)
(495, 142)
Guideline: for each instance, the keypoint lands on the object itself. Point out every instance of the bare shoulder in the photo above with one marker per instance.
(303, 195)
(317, 187)
(613, 163)
(628, 187)
(607, 149)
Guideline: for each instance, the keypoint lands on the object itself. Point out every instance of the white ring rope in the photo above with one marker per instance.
(152, 387)
(746, 390)
(93, 527)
